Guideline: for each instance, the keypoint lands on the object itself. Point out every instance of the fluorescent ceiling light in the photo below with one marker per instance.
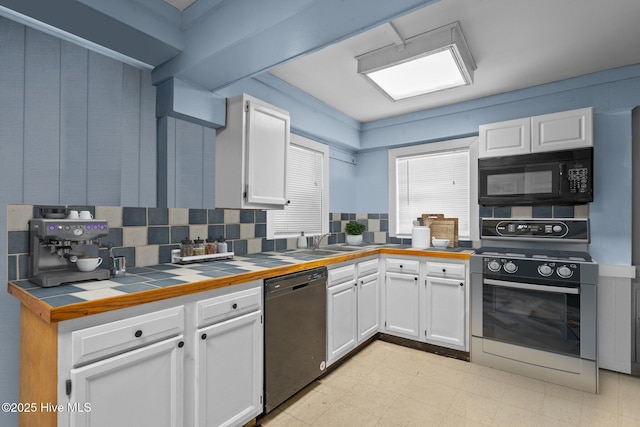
(426, 63)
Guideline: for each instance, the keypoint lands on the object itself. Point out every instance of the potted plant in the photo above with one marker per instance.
(354, 232)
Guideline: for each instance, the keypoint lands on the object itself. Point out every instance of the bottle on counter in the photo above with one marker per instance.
(198, 247)
(210, 246)
(186, 248)
(302, 241)
(221, 245)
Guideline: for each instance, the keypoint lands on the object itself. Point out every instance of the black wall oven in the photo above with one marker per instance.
(558, 177)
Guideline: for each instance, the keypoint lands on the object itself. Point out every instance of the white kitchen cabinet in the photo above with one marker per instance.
(445, 314)
(508, 138)
(353, 307)
(401, 298)
(565, 130)
(341, 312)
(341, 320)
(229, 371)
(251, 156)
(142, 387)
(368, 306)
(562, 131)
(444, 305)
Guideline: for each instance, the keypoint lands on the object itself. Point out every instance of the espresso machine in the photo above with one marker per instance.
(56, 244)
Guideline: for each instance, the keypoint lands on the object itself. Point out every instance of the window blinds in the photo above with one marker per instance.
(304, 191)
(433, 183)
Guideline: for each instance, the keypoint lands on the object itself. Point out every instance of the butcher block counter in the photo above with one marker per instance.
(143, 285)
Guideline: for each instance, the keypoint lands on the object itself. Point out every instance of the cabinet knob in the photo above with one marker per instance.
(181, 344)
(461, 284)
(234, 306)
(203, 336)
(415, 278)
(138, 333)
(400, 265)
(444, 270)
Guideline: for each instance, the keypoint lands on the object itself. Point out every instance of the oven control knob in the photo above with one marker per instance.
(564, 272)
(557, 228)
(510, 267)
(545, 270)
(493, 265)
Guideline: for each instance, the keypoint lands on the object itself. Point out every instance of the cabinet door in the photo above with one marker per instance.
(562, 131)
(508, 138)
(267, 147)
(401, 305)
(229, 371)
(368, 306)
(341, 320)
(445, 314)
(142, 387)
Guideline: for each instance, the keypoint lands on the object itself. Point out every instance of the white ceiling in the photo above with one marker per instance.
(516, 44)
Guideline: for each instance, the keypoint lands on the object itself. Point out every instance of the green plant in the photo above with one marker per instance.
(354, 228)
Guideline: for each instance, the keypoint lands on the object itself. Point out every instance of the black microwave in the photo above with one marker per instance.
(555, 177)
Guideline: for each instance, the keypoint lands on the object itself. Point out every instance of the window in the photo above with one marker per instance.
(433, 178)
(307, 191)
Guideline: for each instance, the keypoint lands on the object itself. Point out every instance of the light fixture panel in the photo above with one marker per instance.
(430, 62)
(429, 73)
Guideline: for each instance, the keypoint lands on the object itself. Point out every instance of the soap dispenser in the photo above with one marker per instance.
(302, 241)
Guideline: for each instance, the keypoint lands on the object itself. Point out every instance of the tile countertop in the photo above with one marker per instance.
(154, 283)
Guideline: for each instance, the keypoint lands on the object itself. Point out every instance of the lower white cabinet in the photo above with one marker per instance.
(341, 320)
(198, 364)
(401, 302)
(229, 371)
(426, 301)
(142, 387)
(368, 306)
(353, 307)
(445, 312)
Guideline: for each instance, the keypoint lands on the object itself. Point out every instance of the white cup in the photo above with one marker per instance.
(88, 264)
(73, 215)
(85, 215)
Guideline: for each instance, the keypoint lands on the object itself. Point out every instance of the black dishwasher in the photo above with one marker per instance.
(295, 333)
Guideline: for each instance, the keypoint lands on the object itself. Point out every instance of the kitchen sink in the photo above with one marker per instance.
(317, 252)
(343, 248)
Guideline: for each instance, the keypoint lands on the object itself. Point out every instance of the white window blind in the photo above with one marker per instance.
(433, 183)
(305, 193)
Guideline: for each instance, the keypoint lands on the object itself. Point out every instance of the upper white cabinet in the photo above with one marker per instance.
(505, 138)
(562, 131)
(550, 132)
(251, 156)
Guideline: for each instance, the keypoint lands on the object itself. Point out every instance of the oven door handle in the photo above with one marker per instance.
(532, 286)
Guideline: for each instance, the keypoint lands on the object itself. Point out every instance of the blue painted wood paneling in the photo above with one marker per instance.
(11, 111)
(130, 137)
(73, 123)
(189, 164)
(42, 123)
(148, 144)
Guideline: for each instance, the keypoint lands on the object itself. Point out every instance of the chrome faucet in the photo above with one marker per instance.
(317, 239)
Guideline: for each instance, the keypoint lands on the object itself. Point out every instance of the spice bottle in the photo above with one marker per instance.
(186, 248)
(210, 246)
(198, 247)
(222, 245)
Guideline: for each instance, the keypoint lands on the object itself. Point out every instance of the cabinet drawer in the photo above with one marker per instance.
(99, 342)
(227, 306)
(341, 275)
(367, 267)
(447, 270)
(403, 266)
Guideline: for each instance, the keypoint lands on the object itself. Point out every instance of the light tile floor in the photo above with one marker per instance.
(388, 385)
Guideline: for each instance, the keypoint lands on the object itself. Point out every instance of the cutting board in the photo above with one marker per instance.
(444, 228)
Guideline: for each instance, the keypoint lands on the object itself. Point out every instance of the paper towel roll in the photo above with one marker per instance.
(420, 237)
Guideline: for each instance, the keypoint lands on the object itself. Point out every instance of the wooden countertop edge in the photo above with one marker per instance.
(72, 311)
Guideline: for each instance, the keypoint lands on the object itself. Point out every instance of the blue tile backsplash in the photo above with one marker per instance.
(146, 236)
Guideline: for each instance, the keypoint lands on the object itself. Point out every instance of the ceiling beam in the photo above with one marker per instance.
(244, 38)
